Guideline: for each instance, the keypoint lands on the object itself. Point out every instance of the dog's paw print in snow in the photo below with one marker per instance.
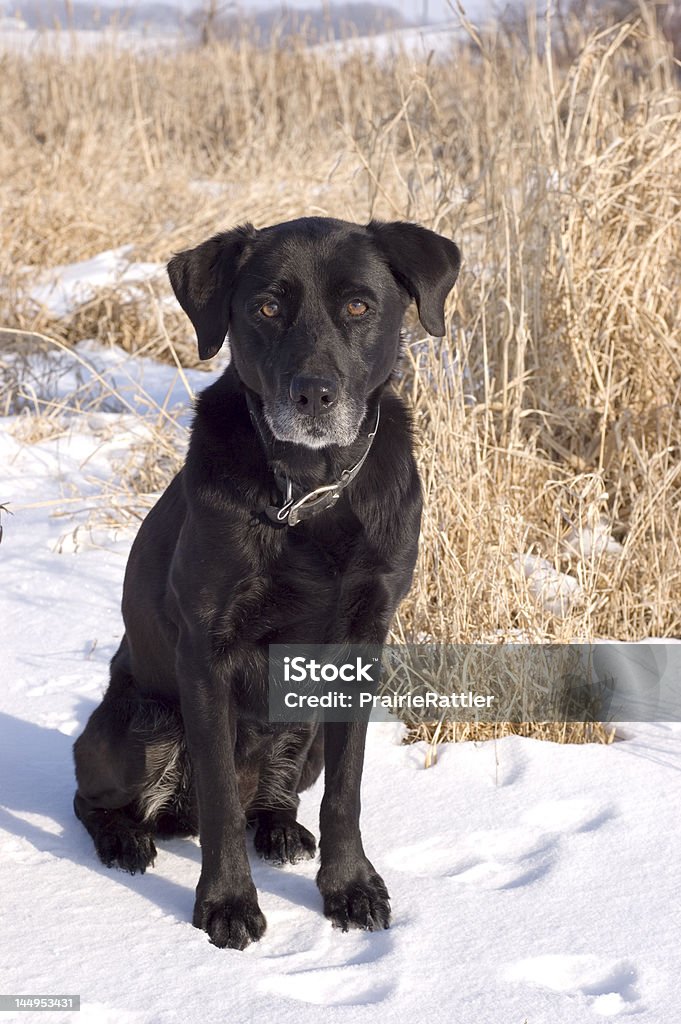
(334, 969)
(289, 938)
(494, 859)
(609, 986)
(330, 986)
(487, 859)
(569, 816)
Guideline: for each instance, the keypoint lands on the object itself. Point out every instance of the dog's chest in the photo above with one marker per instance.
(308, 580)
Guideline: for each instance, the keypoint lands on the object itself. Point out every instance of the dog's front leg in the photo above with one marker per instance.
(354, 893)
(226, 900)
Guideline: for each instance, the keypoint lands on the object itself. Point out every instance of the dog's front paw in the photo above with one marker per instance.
(362, 902)
(232, 922)
(283, 842)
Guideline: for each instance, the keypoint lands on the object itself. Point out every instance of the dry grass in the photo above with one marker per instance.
(554, 403)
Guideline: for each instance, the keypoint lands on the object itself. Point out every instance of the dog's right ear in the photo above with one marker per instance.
(203, 280)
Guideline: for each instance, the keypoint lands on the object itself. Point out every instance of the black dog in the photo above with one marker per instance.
(294, 520)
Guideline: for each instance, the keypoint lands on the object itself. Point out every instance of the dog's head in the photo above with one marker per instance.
(314, 309)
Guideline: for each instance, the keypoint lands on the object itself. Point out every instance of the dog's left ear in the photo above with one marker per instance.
(203, 280)
(424, 263)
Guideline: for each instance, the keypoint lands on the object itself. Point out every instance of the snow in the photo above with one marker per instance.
(417, 42)
(108, 380)
(556, 592)
(68, 42)
(60, 289)
(529, 881)
(591, 541)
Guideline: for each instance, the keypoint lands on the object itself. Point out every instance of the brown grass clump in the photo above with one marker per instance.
(553, 405)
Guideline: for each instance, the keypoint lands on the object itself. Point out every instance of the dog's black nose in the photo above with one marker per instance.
(313, 396)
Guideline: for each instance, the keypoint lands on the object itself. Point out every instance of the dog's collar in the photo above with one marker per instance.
(321, 498)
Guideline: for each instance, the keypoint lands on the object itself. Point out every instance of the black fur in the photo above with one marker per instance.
(181, 742)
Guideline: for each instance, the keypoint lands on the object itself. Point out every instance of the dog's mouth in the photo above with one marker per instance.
(339, 426)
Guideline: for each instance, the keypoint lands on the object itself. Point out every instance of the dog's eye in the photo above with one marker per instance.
(357, 307)
(270, 309)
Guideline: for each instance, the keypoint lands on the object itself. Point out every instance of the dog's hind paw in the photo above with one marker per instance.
(122, 844)
(283, 842)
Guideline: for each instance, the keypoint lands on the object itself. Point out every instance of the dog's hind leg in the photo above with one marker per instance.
(279, 837)
(133, 775)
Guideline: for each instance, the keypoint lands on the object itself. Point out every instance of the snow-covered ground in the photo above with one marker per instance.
(17, 39)
(62, 288)
(530, 882)
(417, 40)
